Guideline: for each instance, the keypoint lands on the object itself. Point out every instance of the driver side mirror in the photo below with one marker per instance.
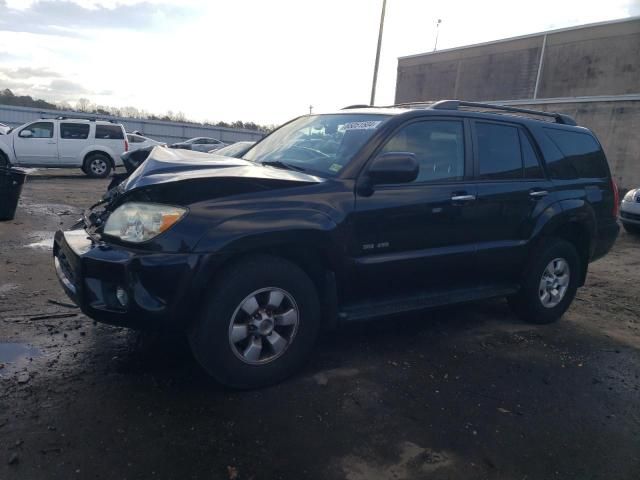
(26, 133)
(391, 167)
(394, 167)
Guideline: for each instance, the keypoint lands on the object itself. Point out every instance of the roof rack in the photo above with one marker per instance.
(79, 117)
(455, 104)
(357, 105)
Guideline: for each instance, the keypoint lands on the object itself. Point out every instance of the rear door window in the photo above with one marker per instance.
(109, 132)
(581, 157)
(74, 131)
(499, 154)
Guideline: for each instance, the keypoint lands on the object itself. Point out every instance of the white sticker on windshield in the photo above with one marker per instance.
(370, 125)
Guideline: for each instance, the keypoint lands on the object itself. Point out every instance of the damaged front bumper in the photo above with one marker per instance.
(127, 287)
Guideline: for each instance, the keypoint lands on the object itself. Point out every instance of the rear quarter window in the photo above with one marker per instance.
(109, 132)
(582, 156)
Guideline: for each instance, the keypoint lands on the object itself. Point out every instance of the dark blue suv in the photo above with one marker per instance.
(361, 213)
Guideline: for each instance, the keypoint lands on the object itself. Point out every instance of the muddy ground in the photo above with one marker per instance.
(467, 392)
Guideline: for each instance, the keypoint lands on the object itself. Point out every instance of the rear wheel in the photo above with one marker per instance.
(97, 165)
(632, 228)
(259, 325)
(549, 284)
(4, 161)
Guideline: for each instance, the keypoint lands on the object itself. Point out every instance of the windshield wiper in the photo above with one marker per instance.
(286, 166)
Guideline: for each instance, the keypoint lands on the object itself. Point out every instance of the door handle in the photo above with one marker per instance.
(538, 193)
(51, 142)
(463, 198)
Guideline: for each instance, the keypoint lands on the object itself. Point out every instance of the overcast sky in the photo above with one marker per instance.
(253, 60)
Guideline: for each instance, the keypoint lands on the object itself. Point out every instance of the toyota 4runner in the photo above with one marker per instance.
(332, 218)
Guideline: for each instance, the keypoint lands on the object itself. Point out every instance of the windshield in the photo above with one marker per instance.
(321, 144)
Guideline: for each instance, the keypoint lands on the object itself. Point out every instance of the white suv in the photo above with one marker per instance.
(94, 146)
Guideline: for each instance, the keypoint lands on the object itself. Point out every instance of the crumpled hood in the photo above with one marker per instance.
(165, 165)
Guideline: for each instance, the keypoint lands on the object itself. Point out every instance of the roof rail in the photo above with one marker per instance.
(455, 104)
(357, 105)
(79, 117)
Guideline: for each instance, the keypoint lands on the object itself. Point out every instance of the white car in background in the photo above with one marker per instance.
(94, 146)
(138, 141)
(200, 144)
(4, 129)
(630, 211)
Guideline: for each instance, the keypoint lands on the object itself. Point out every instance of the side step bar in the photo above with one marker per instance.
(420, 301)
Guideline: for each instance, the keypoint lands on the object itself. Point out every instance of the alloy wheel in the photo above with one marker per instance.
(554, 282)
(264, 325)
(98, 166)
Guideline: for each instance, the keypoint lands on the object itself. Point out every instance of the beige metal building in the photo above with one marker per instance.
(591, 72)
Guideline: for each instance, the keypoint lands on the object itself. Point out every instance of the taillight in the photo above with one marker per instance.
(616, 198)
(126, 145)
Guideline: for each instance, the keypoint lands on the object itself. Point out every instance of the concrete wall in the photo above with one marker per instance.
(600, 59)
(484, 72)
(169, 132)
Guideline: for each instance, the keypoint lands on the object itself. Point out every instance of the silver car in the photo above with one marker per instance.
(630, 211)
(200, 144)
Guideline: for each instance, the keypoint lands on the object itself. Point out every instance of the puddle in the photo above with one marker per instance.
(17, 353)
(44, 240)
(45, 244)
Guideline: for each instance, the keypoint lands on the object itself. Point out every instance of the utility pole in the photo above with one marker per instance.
(310, 109)
(437, 32)
(375, 69)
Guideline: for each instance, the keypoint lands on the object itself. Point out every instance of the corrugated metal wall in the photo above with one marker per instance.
(169, 132)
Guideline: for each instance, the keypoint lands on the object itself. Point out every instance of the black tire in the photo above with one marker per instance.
(631, 228)
(527, 303)
(97, 165)
(209, 337)
(4, 161)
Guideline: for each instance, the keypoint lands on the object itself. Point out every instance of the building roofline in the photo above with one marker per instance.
(522, 37)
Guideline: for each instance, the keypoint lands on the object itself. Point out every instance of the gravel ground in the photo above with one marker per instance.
(458, 393)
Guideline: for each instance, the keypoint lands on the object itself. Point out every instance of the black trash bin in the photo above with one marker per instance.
(11, 182)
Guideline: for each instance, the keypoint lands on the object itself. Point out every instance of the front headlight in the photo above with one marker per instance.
(138, 222)
(630, 196)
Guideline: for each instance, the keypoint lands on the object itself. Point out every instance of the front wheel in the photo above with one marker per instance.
(259, 325)
(549, 284)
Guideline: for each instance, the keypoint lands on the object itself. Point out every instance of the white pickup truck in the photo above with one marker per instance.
(94, 146)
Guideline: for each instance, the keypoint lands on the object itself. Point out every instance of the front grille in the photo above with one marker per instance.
(630, 216)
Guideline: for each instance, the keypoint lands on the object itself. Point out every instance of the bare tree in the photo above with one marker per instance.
(83, 104)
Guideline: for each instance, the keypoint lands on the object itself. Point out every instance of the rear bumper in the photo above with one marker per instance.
(162, 291)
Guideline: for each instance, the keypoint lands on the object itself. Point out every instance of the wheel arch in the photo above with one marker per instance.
(314, 259)
(572, 220)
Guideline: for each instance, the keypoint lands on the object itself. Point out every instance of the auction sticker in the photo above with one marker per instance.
(370, 125)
